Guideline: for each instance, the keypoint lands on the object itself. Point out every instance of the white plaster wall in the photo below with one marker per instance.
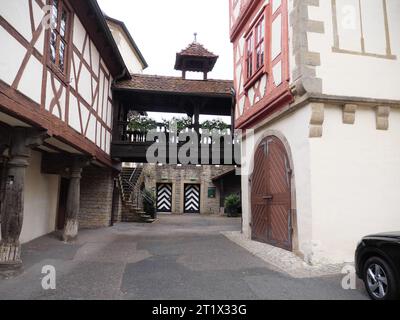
(355, 182)
(11, 55)
(86, 86)
(79, 34)
(16, 12)
(351, 74)
(74, 118)
(41, 201)
(30, 83)
(127, 52)
(295, 128)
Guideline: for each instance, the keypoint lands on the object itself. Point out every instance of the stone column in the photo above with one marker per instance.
(22, 140)
(73, 200)
(4, 145)
(3, 174)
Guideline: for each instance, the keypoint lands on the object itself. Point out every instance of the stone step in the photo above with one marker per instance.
(147, 218)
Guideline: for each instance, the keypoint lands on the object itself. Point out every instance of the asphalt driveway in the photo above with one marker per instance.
(177, 257)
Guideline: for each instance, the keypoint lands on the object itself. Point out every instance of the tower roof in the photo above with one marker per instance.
(196, 49)
(195, 58)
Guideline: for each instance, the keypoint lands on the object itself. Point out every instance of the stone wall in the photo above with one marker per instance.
(117, 205)
(231, 185)
(178, 176)
(96, 198)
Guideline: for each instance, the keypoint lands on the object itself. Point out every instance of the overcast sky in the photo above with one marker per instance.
(161, 28)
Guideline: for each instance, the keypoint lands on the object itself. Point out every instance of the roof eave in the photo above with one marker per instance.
(116, 65)
(199, 94)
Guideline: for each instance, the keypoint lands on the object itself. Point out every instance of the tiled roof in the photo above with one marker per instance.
(140, 82)
(195, 49)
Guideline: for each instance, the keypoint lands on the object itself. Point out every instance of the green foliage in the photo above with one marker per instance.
(149, 201)
(232, 204)
(141, 123)
(179, 123)
(215, 124)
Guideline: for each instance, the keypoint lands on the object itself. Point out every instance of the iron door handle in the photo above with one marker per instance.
(268, 197)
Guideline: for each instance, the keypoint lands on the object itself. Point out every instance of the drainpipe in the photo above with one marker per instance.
(115, 122)
(233, 93)
(120, 76)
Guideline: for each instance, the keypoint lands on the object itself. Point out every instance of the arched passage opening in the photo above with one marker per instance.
(273, 195)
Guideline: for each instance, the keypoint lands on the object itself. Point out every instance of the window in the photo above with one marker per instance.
(249, 56)
(365, 28)
(58, 35)
(260, 33)
(255, 48)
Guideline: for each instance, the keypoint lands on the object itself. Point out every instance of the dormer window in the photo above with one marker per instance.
(59, 35)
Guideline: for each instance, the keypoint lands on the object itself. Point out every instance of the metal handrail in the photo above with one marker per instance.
(137, 195)
(132, 174)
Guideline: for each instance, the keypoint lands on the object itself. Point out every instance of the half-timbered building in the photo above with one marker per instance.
(58, 62)
(317, 88)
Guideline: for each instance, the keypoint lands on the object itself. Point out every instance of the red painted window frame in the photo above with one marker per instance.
(249, 59)
(263, 17)
(260, 42)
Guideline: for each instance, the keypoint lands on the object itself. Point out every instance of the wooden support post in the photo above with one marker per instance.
(197, 119)
(73, 199)
(22, 140)
(117, 130)
(115, 203)
(3, 178)
(222, 194)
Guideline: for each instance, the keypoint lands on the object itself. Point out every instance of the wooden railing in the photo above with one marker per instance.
(132, 146)
(138, 136)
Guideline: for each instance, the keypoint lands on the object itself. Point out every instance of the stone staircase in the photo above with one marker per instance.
(132, 211)
(129, 179)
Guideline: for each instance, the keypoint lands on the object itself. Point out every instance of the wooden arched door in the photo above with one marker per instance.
(271, 195)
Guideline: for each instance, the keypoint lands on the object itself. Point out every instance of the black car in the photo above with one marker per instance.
(378, 265)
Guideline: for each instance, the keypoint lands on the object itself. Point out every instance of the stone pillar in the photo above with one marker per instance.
(22, 140)
(73, 200)
(115, 208)
(4, 145)
(3, 177)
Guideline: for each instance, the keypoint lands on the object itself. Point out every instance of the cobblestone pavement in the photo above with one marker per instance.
(177, 257)
(282, 260)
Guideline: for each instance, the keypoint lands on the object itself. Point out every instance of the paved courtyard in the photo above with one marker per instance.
(177, 257)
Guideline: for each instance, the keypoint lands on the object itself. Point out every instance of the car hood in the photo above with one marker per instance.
(388, 235)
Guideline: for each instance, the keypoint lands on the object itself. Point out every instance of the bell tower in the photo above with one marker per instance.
(195, 58)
